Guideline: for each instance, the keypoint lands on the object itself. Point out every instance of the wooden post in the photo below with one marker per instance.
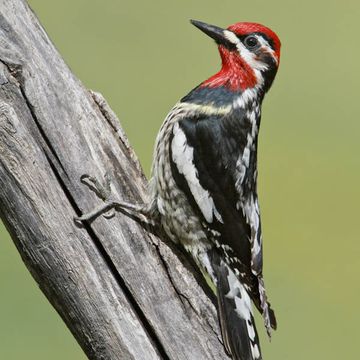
(123, 293)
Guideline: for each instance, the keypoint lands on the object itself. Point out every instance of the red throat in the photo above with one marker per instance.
(235, 73)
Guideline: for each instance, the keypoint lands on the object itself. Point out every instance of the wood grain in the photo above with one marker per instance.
(123, 292)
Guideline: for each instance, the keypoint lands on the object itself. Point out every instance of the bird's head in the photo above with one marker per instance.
(250, 55)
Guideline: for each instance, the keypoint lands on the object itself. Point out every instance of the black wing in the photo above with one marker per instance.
(205, 152)
(209, 157)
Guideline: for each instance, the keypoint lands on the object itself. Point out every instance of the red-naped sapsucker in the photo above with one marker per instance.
(203, 188)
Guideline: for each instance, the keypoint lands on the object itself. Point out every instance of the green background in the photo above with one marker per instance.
(143, 56)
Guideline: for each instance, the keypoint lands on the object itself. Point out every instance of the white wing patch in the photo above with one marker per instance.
(183, 157)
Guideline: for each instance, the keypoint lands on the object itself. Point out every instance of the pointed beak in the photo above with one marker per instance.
(215, 32)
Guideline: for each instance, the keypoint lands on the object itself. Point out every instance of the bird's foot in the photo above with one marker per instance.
(110, 203)
(102, 191)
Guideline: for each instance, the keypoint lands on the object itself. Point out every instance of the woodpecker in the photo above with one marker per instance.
(203, 189)
(204, 176)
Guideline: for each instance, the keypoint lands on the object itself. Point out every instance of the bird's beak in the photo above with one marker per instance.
(215, 32)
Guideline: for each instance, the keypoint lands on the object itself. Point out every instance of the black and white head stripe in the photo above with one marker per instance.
(254, 56)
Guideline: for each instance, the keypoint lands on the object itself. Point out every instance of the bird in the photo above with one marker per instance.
(203, 186)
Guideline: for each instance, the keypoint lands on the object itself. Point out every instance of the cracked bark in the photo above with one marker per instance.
(123, 292)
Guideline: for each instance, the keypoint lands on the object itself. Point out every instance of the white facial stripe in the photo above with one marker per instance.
(262, 41)
(265, 44)
(231, 37)
(249, 56)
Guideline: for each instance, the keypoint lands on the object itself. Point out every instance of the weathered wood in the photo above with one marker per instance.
(122, 292)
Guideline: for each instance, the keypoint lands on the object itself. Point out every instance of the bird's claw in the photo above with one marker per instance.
(110, 203)
(103, 191)
(109, 214)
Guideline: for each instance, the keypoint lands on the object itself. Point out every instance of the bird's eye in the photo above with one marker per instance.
(251, 42)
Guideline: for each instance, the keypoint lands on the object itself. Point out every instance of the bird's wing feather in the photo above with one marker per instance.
(205, 154)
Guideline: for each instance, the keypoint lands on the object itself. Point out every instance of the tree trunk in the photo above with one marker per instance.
(123, 293)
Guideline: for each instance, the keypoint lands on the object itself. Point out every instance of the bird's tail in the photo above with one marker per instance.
(236, 318)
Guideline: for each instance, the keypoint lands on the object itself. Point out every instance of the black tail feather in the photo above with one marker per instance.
(237, 324)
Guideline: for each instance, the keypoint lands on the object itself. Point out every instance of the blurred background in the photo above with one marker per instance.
(143, 56)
